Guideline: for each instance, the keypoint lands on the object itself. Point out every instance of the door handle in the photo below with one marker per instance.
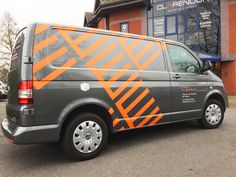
(177, 76)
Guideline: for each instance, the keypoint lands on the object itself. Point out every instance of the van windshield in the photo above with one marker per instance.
(18, 49)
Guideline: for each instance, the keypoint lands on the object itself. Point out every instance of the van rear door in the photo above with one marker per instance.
(15, 68)
(20, 71)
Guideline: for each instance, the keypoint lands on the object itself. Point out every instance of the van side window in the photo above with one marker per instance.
(182, 61)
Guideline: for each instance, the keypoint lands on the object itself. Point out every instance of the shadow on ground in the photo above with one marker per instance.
(3, 100)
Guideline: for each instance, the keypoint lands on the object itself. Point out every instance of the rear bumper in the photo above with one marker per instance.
(31, 135)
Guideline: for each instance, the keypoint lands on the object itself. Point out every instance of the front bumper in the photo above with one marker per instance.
(31, 135)
(226, 100)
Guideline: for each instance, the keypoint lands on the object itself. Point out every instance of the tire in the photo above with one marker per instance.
(4, 97)
(85, 136)
(213, 115)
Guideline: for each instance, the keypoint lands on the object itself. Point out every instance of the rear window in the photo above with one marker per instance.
(18, 49)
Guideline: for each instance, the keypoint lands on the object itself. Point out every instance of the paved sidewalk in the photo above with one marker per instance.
(232, 101)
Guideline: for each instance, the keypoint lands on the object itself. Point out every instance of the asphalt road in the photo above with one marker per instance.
(176, 150)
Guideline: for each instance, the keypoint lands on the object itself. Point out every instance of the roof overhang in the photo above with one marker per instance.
(104, 9)
(205, 56)
(88, 16)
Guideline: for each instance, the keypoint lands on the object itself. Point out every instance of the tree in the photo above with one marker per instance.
(8, 31)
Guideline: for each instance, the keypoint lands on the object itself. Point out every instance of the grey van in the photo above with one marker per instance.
(77, 85)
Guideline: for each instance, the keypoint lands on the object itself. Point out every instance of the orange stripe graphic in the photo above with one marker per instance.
(41, 28)
(111, 111)
(129, 93)
(123, 112)
(70, 41)
(142, 37)
(99, 56)
(116, 121)
(135, 58)
(113, 61)
(150, 60)
(82, 38)
(134, 44)
(122, 129)
(49, 59)
(145, 107)
(73, 28)
(129, 52)
(107, 85)
(94, 46)
(45, 43)
(53, 75)
(144, 50)
(120, 73)
(74, 43)
(113, 95)
(110, 64)
(157, 119)
(149, 117)
(137, 100)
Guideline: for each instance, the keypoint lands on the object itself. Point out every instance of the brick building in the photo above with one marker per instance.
(206, 26)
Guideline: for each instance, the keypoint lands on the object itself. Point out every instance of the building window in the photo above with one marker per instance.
(192, 21)
(171, 25)
(124, 27)
(197, 25)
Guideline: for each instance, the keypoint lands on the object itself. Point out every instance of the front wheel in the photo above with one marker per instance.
(85, 136)
(213, 115)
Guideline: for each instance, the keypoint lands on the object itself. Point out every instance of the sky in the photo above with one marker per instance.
(67, 12)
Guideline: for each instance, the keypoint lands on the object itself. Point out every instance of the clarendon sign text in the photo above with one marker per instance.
(179, 4)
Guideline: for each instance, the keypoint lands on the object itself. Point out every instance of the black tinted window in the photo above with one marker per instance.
(18, 49)
(182, 61)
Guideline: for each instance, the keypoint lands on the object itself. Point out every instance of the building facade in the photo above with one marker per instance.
(206, 26)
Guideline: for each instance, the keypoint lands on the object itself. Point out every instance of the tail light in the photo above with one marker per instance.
(25, 92)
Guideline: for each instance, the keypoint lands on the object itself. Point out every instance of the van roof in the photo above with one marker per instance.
(108, 32)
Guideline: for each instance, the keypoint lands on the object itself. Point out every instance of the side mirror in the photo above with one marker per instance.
(206, 66)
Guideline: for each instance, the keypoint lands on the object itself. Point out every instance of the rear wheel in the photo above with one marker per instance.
(85, 136)
(213, 115)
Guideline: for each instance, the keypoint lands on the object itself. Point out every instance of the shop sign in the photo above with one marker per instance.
(124, 27)
(183, 4)
(205, 20)
(159, 27)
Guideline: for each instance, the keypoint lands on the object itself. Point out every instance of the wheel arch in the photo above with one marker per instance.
(217, 95)
(86, 105)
